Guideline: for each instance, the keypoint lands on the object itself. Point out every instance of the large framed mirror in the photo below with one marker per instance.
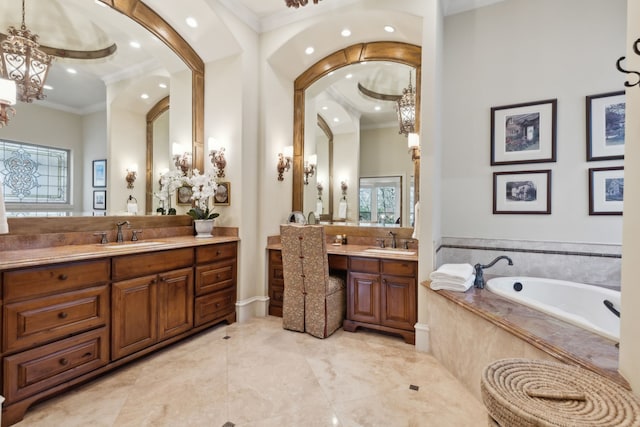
(334, 130)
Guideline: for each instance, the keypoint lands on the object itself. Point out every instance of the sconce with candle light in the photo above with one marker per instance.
(132, 174)
(7, 99)
(310, 167)
(413, 141)
(181, 161)
(217, 158)
(344, 188)
(284, 161)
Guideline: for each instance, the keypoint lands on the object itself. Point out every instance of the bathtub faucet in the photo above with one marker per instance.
(479, 281)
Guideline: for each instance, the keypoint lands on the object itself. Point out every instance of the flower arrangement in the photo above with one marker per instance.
(170, 181)
(203, 187)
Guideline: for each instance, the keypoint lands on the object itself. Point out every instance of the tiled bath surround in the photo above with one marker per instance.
(595, 264)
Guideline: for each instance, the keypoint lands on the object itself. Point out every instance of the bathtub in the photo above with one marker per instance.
(576, 303)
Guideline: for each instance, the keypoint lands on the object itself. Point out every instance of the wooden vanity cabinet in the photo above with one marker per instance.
(155, 305)
(216, 283)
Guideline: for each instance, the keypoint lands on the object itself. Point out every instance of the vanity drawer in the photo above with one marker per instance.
(399, 268)
(217, 252)
(130, 266)
(214, 277)
(337, 262)
(364, 265)
(37, 281)
(213, 306)
(40, 320)
(275, 256)
(41, 368)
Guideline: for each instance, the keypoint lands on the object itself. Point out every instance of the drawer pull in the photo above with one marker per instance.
(217, 276)
(63, 277)
(64, 361)
(62, 315)
(87, 354)
(218, 253)
(217, 304)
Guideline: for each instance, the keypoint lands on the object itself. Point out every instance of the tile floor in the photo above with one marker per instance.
(262, 375)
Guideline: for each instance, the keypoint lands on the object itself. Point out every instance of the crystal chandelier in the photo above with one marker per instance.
(298, 3)
(21, 60)
(407, 109)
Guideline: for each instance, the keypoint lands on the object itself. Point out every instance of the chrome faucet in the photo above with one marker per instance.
(119, 238)
(479, 281)
(393, 239)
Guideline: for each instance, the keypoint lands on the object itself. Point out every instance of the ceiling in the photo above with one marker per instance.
(85, 25)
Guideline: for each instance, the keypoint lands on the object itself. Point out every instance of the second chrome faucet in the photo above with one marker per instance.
(479, 280)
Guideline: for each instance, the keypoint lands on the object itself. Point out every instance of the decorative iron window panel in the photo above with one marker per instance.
(34, 174)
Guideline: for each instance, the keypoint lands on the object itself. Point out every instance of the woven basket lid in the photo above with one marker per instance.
(523, 392)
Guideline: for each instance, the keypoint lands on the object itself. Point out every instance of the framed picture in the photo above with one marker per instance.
(223, 194)
(523, 133)
(100, 173)
(606, 190)
(523, 192)
(100, 199)
(605, 126)
(183, 195)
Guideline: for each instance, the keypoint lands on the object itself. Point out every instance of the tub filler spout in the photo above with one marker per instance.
(479, 280)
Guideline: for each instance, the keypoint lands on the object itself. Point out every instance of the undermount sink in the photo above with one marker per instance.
(391, 251)
(123, 245)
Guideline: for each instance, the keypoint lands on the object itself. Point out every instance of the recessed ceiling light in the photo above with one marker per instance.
(144, 96)
(309, 50)
(346, 32)
(377, 108)
(47, 87)
(99, 3)
(389, 29)
(191, 21)
(348, 76)
(324, 107)
(163, 85)
(336, 120)
(71, 71)
(134, 44)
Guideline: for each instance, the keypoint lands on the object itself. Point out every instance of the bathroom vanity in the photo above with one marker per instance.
(71, 313)
(381, 287)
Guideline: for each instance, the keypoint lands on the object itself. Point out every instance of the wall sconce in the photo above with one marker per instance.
(310, 167)
(413, 140)
(284, 161)
(7, 99)
(319, 188)
(181, 161)
(344, 187)
(132, 174)
(218, 161)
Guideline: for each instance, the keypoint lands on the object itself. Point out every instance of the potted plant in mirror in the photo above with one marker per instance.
(203, 187)
(169, 182)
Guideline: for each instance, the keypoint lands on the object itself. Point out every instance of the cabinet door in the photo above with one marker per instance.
(175, 299)
(134, 311)
(398, 308)
(363, 297)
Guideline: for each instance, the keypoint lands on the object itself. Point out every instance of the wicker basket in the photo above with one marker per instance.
(523, 393)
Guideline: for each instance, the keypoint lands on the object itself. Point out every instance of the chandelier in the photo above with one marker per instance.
(406, 106)
(298, 3)
(21, 60)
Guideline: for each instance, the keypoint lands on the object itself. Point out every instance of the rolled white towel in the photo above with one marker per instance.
(436, 285)
(456, 273)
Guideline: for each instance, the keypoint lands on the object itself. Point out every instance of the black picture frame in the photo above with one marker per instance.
(99, 173)
(524, 133)
(522, 192)
(100, 200)
(606, 190)
(605, 115)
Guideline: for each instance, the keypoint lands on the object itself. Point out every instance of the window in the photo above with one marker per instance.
(380, 200)
(34, 175)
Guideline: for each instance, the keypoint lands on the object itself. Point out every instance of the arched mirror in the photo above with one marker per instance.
(346, 125)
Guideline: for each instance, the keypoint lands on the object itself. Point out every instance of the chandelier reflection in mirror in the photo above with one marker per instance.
(298, 3)
(406, 107)
(22, 61)
(7, 99)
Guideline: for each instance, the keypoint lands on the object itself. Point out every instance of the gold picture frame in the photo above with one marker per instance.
(223, 194)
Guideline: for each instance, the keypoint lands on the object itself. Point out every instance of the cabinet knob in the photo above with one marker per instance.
(63, 277)
(218, 252)
(217, 304)
(218, 276)
(62, 315)
(64, 361)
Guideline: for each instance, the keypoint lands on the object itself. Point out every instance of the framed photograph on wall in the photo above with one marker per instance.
(606, 190)
(522, 192)
(223, 194)
(100, 173)
(183, 195)
(605, 126)
(523, 133)
(100, 199)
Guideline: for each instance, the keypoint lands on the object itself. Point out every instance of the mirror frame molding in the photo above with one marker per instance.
(401, 52)
(155, 111)
(150, 20)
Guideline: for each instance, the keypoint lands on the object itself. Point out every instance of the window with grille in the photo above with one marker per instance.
(380, 199)
(34, 175)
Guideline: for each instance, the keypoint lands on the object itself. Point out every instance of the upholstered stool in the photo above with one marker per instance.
(533, 393)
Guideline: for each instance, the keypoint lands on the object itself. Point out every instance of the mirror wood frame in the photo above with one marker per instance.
(155, 111)
(150, 20)
(404, 53)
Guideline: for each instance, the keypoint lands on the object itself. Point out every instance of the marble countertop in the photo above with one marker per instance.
(364, 251)
(34, 257)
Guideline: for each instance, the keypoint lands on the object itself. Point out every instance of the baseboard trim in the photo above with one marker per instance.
(422, 337)
(257, 306)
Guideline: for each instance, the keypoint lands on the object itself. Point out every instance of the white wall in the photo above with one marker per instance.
(162, 159)
(629, 342)
(520, 51)
(94, 136)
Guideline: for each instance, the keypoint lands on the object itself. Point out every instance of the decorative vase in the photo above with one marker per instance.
(203, 227)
